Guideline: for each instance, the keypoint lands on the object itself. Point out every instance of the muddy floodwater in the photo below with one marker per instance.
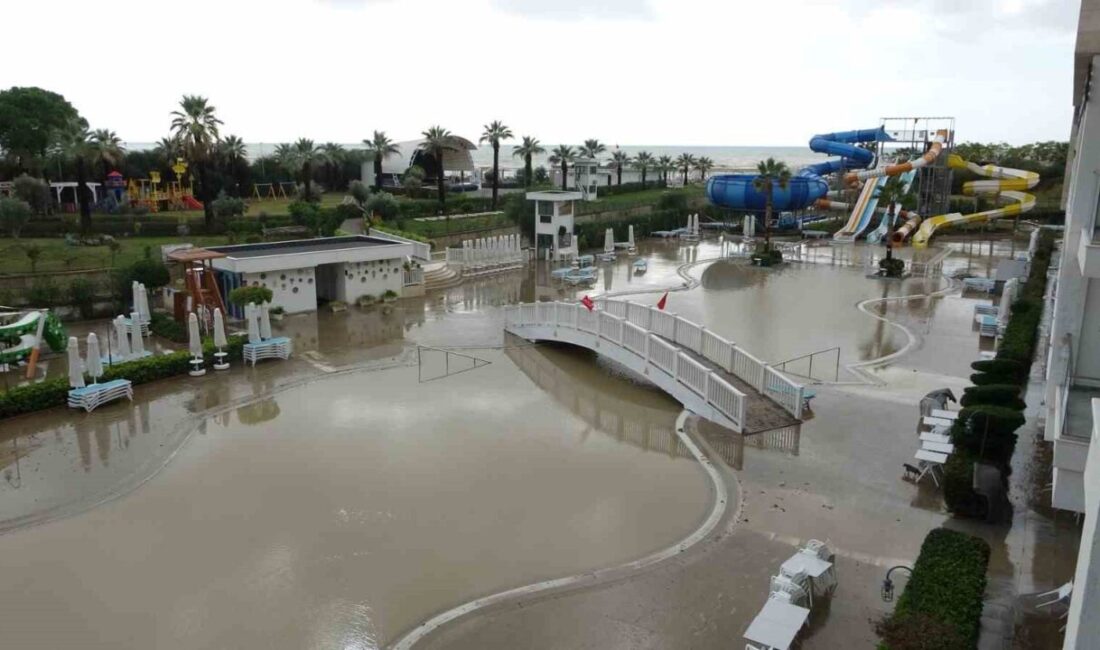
(339, 513)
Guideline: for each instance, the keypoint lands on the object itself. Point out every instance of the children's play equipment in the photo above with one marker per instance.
(272, 191)
(202, 294)
(20, 339)
(156, 195)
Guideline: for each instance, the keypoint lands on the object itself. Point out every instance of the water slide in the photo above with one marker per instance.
(737, 191)
(873, 179)
(25, 330)
(1006, 183)
(876, 235)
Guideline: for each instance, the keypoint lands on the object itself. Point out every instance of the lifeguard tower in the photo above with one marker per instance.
(554, 239)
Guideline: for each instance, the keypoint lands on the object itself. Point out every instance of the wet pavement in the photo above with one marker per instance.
(337, 500)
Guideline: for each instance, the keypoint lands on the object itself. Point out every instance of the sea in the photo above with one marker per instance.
(726, 158)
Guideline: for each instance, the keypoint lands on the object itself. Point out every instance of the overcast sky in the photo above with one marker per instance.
(687, 72)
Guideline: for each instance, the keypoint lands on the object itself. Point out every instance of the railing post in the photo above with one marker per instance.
(674, 322)
(646, 348)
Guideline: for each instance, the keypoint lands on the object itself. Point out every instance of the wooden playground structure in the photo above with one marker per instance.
(272, 191)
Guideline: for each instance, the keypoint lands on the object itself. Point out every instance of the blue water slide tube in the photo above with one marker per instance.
(737, 191)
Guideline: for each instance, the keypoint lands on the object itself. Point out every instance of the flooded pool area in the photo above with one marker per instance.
(412, 457)
(343, 511)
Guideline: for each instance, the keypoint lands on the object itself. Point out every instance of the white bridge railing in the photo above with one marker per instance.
(653, 335)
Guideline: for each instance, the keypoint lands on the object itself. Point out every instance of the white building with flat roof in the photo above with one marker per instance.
(554, 238)
(305, 272)
(1073, 365)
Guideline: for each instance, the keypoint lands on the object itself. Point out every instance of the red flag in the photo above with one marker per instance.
(662, 301)
(587, 302)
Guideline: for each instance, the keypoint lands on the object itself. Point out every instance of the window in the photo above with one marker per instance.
(566, 208)
(546, 208)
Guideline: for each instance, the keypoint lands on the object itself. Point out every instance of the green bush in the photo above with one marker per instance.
(944, 595)
(150, 272)
(34, 191)
(382, 205)
(958, 486)
(1005, 367)
(225, 206)
(630, 188)
(1007, 395)
(987, 378)
(892, 267)
(768, 257)
(44, 293)
(82, 295)
(241, 296)
(14, 215)
(167, 327)
(672, 201)
(53, 392)
(303, 213)
(988, 432)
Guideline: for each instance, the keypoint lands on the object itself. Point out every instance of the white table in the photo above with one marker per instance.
(941, 447)
(935, 437)
(932, 460)
(946, 415)
(935, 422)
(812, 567)
(777, 624)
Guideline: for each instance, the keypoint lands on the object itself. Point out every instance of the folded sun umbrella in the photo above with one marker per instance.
(194, 341)
(95, 364)
(265, 321)
(122, 338)
(219, 329)
(253, 326)
(137, 343)
(76, 366)
(144, 308)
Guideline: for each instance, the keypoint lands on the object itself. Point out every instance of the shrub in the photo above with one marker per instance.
(241, 296)
(630, 188)
(225, 206)
(958, 486)
(167, 327)
(359, 191)
(1006, 395)
(987, 378)
(44, 293)
(382, 205)
(150, 272)
(944, 593)
(303, 213)
(35, 192)
(672, 201)
(82, 295)
(14, 214)
(1005, 367)
(988, 432)
(892, 267)
(768, 257)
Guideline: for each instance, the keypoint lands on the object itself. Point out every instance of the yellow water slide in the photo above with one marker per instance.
(1006, 183)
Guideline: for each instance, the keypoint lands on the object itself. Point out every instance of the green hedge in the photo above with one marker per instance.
(165, 326)
(630, 188)
(1007, 395)
(988, 432)
(1006, 367)
(942, 603)
(54, 392)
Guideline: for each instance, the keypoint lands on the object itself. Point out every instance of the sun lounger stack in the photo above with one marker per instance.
(936, 444)
(89, 397)
(806, 575)
(279, 347)
(985, 285)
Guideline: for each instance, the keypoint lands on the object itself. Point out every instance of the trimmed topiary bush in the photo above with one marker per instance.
(942, 603)
(988, 378)
(1006, 367)
(1006, 395)
(241, 296)
(987, 432)
(892, 267)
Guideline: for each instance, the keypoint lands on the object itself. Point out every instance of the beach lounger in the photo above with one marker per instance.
(934, 437)
(941, 447)
(936, 422)
(279, 347)
(90, 397)
(776, 626)
(946, 415)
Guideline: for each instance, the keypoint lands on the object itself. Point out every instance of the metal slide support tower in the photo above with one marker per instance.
(916, 133)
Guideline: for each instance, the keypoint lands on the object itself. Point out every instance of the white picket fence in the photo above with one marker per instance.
(647, 347)
(653, 334)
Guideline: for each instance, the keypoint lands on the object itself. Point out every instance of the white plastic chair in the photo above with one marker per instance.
(1060, 594)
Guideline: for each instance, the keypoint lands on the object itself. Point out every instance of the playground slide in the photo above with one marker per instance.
(738, 191)
(26, 328)
(876, 235)
(1007, 183)
(191, 203)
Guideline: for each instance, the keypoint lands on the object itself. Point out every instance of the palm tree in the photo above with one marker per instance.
(493, 133)
(665, 165)
(332, 156)
(73, 144)
(643, 161)
(592, 148)
(562, 155)
(234, 153)
(438, 140)
(168, 149)
(300, 158)
(530, 148)
(619, 159)
(684, 163)
(107, 147)
(891, 192)
(770, 174)
(380, 147)
(195, 128)
(703, 165)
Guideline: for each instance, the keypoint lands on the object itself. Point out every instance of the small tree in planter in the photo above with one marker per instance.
(770, 175)
(241, 296)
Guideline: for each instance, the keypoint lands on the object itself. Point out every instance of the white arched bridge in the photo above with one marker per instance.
(709, 375)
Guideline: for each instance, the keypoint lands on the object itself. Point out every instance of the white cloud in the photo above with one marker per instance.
(578, 9)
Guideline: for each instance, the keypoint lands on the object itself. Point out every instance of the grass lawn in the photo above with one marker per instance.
(255, 207)
(630, 199)
(57, 256)
(440, 227)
